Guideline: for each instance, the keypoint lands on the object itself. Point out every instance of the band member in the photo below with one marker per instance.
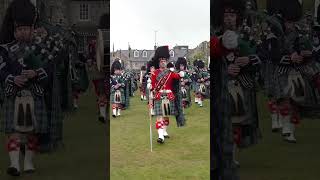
(181, 65)
(202, 81)
(117, 83)
(291, 72)
(150, 96)
(99, 84)
(268, 54)
(25, 77)
(235, 64)
(162, 82)
(143, 84)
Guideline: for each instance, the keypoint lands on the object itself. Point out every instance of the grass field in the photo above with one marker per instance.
(82, 158)
(185, 156)
(274, 159)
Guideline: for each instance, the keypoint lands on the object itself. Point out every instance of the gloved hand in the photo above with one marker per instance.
(181, 73)
(230, 39)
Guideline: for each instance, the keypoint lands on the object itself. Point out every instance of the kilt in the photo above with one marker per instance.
(280, 83)
(7, 120)
(269, 82)
(188, 98)
(249, 126)
(123, 97)
(197, 90)
(98, 86)
(158, 109)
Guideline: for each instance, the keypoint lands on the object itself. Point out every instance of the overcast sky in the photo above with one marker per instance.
(177, 22)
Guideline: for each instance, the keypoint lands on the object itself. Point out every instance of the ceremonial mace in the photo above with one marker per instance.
(149, 106)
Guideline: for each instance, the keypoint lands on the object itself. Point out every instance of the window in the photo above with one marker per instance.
(136, 53)
(171, 53)
(6, 4)
(145, 54)
(84, 12)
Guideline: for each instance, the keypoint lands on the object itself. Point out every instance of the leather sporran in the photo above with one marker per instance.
(165, 106)
(202, 88)
(184, 93)
(24, 116)
(117, 96)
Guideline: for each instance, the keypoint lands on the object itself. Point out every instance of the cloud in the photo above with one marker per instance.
(182, 22)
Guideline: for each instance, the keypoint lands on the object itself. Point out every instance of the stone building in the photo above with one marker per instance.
(134, 59)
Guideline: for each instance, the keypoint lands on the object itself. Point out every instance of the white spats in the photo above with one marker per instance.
(165, 133)
(285, 124)
(14, 159)
(28, 160)
(275, 121)
(114, 112)
(291, 138)
(161, 133)
(200, 103)
(102, 110)
(196, 100)
(152, 111)
(75, 103)
(118, 111)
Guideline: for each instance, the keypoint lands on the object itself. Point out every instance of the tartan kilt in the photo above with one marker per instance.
(158, 109)
(143, 87)
(98, 86)
(269, 81)
(281, 83)
(197, 90)
(249, 127)
(7, 120)
(123, 97)
(188, 98)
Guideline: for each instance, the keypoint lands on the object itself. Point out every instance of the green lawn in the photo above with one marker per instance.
(274, 159)
(84, 155)
(185, 156)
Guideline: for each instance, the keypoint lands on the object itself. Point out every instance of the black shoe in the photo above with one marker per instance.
(101, 119)
(285, 134)
(160, 141)
(237, 164)
(13, 171)
(167, 136)
(30, 171)
(290, 141)
(275, 130)
(114, 116)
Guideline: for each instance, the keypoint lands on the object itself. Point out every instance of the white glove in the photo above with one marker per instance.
(171, 69)
(149, 86)
(230, 39)
(181, 73)
(149, 81)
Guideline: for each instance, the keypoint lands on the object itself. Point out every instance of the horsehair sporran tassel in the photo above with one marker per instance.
(28, 116)
(20, 115)
(165, 103)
